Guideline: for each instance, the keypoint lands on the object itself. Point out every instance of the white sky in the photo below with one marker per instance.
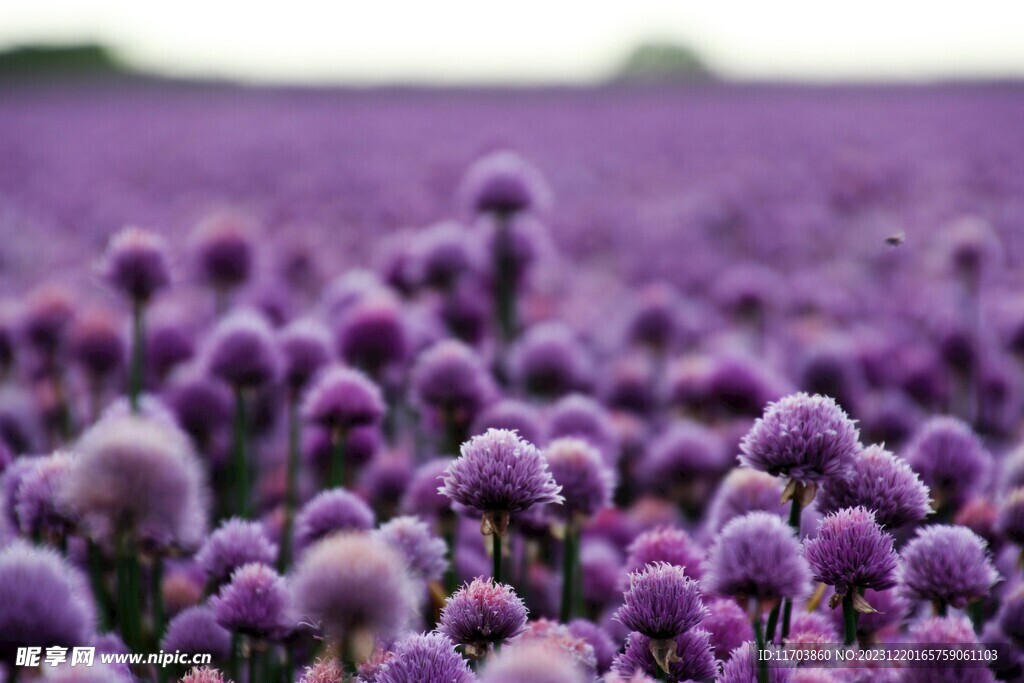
(533, 40)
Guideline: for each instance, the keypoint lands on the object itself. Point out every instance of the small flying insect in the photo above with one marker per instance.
(896, 239)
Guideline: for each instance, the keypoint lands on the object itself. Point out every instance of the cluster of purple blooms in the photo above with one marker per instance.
(435, 470)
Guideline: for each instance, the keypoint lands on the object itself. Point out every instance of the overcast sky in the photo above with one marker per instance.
(534, 40)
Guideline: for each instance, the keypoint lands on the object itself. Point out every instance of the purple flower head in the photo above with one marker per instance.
(696, 658)
(655, 322)
(422, 496)
(683, 453)
(44, 601)
(1010, 521)
(757, 556)
(666, 544)
(946, 631)
(236, 542)
(598, 639)
(353, 581)
(361, 445)
(138, 475)
(744, 490)
(561, 639)
(195, 630)
(37, 503)
(136, 264)
(202, 405)
(662, 602)
(950, 459)
(442, 254)
(503, 183)
(255, 602)
(742, 668)
(804, 438)
(169, 343)
(241, 350)
(549, 362)
(600, 570)
(13, 476)
(426, 555)
(305, 347)
(584, 418)
(981, 515)
(533, 662)
(1013, 468)
(947, 565)
(482, 612)
(223, 248)
(203, 674)
(425, 658)
(629, 385)
(329, 512)
(97, 344)
(513, 415)
(343, 398)
(450, 379)
(728, 625)
(45, 320)
(881, 482)
(325, 671)
(499, 472)
(971, 244)
(372, 335)
(1011, 616)
(587, 482)
(851, 551)
(821, 624)
(385, 480)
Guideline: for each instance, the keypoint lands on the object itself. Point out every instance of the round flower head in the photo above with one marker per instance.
(582, 417)
(426, 658)
(138, 475)
(49, 311)
(549, 362)
(324, 671)
(372, 335)
(736, 385)
(741, 667)
(598, 639)
(533, 662)
(343, 398)
(1010, 522)
(305, 347)
(600, 571)
(97, 344)
(851, 551)
(222, 244)
(255, 602)
(450, 379)
(694, 658)
(667, 544)
(981, 515)
(561, 639)
(684, 453)
(629, 385)
(195, 631)
(236, 542)
(804, 438)
(950, 459)
(201, 405)
(331, 511)
(1011, 616)
(946, 631)
(44, 601)
(481, 613)
(655, 322)
(947, 565)
(422, 496)
(136, 264)
(443, 254)
(503, 183)
(426, 556)
(353, 582)
(881, 482)
(757, 556)
(744, 490)
(587, 482)
(500, 473)
(513, 415)
(241, 350)
(728, 625)
(37, 504)
(661, 602)
(168, 344)
(203, 674)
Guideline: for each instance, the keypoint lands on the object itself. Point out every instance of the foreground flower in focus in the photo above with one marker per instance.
(480, 614)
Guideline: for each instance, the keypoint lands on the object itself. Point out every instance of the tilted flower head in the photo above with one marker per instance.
(353, 582)
(662, 602)
(947, 565)
(482, 612)
(950, 459)
(587, 482)
(881, 482)
(804, 438)
(331, 511)
(695, 657)
(305, 347)
(1010, 522)
(234, 543)
(504, 183)
(44, 601)
(425, 554)
(666, 544)
(851, 551)
(195, 630)
(342, 398)
(451, 379)
(136, 264)
(222, 244)
(744, 490)
(500, 472)
(533, 662)
(138, 475)
(241, 350)
(757, 556)
(204, 674)
(425, 658)
(256, 602)
(729, 626)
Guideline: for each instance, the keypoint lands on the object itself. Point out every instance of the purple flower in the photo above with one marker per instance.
(422, 496)
(236, 542)
(343, 398)
(503, 183)
(255, 602)
(696, 658)
(684, 454)
(482, 612)
(728, 625)
(305, 347)
(560, 639)
(881, 482)
(947, 565)
(662, 602)
(600, 570)
(587, 482)
(372, 335)
(324, 671)
(426, 658)
(946, 631)
(743, 490)
(742, 668)
(331, 511)
(241, 350)
(1011, 616)
(426, 556)
(548, 361)
(222, 244)
(533, 662)
(655, 322)
(44, 601)
(37, 503)
(97, 344)
(498, 472)
(450, 379)
(354, 582)
(168, 344)
(49, 311)
(665, 544)
(443, 253)
(201, 404)
(598, 639)
(822, 625)
(757, 556)
(136, 264)
(851, 551)
(584, 418)
(513, 415)
(203, 674)
(950, 459)
(195, 630)
(1010, 521)
(804, 438)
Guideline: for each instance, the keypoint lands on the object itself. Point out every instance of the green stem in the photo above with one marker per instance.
(98, 588)
(787, 604)
(138, 354)
(504, 286)
(233, 664)
(128, 584)
(773, 621)
(251, 661)
(570, 562)
(762, 665)
(289, 664)
(849, 618)
(496, 548)
(339, 473)
(157, 597)
(451, 577)
(241, 465)
(291, 486)
(941, 607)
